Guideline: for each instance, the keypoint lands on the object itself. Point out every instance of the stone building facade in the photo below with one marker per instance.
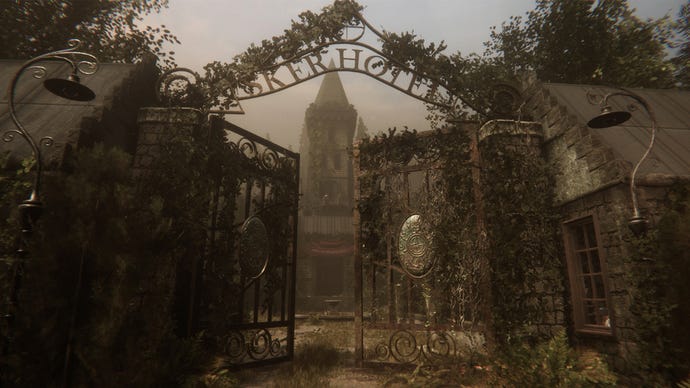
(586, 279)
(591, 169)
(325, 271)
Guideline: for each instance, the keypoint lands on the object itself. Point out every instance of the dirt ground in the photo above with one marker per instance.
(339, 333)
(342, 376)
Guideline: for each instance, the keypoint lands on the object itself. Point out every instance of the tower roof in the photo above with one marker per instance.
(331, 90)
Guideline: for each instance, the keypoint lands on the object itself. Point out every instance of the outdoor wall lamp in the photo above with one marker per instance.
(31, 208)
(69, 88)
(610, 118)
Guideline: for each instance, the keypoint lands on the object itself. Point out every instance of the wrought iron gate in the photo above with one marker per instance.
(247, 299)
(406, 311)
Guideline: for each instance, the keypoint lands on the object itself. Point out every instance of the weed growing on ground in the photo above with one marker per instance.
(454, 372)
(312, 363)
(549, 364)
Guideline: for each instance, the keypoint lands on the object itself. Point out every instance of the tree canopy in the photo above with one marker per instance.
(589, 42)
(682, 60)
(107, 29)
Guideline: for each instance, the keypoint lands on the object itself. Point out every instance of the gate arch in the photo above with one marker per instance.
(225, 86)
(222, 90)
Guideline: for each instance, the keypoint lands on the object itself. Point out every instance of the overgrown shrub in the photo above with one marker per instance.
(660, 273)
(95, 303)
(453, 371)
(311, 365)
(522, 227)
(550, 364)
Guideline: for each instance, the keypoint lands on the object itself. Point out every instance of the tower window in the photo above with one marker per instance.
(329, 275)
(337, 161)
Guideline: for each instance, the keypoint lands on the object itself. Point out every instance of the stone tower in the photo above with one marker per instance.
(326, 266)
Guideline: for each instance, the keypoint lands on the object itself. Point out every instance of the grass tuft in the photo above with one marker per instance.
(312, 363)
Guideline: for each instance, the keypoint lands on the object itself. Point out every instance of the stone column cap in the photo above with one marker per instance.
(179, 115)
(510, 128)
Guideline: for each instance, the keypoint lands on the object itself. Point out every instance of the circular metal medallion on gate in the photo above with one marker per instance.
(253, 249)
(414, 247)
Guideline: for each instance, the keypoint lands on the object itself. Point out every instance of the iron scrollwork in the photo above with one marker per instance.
(505, 101)
(596, 98)
(415, 247)
(81, 63)
(255, 345)
(403, 347)
(254, 248)
(184, 87)
(266, 159)
(395, 150)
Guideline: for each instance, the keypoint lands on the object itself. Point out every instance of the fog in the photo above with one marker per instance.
(212, 30)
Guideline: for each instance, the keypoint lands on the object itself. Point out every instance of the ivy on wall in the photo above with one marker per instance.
(522, 226)
(100, 283)
(519, 240)
(659, 273)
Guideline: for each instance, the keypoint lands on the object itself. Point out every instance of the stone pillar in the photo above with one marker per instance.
(512, 133)
(513, 206)
(159, 125)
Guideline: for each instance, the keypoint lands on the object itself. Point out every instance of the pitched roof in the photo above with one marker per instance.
(671, 152)
(120, 89)
(331, 90)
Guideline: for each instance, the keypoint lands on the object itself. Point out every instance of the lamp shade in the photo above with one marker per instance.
(609, 118)
(69, 88)
(638, 225)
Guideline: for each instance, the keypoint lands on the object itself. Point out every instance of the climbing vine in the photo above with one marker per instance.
(519, 219)
(446, 203)
(98, 304)
(222, 80)
(522, 226)
(467, 77)
(659, 272)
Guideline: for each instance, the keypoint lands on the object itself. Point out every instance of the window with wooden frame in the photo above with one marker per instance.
(588, 280)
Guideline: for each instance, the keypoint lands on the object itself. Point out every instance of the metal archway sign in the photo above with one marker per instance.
(351, 52)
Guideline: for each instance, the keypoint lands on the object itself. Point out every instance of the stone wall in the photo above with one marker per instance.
(590, 180)
(545, 295)
(612, 208)
(158, 125)
(580, 161)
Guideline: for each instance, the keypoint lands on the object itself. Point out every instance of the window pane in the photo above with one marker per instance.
(598, 286)
(329, 276)
(596, 264)
(579, 234)
(591, 236)
(584, 263)
(590, 313)
(587, 286)
(590, 304)
(602, 314)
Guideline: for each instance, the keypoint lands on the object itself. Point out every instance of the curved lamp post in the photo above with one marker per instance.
(70, 88)
(610, 118)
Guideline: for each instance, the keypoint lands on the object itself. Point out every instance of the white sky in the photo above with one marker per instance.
(212, 30)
